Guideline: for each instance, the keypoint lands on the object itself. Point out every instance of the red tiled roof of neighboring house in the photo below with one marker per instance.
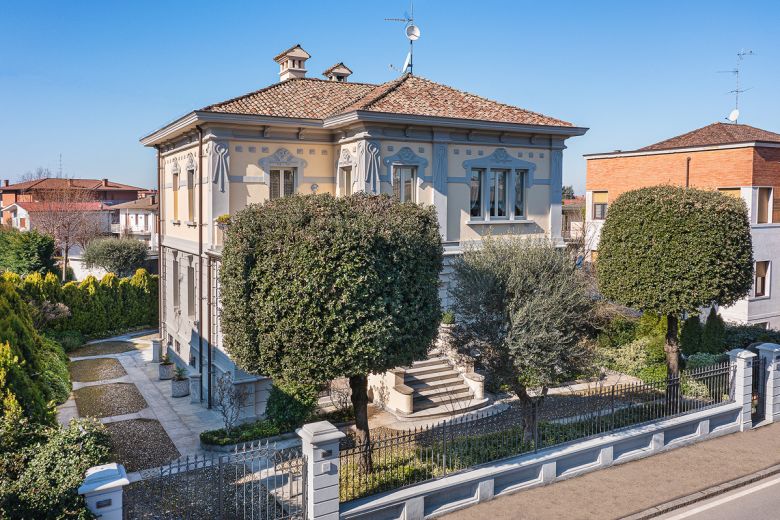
(716, 134)
(37, 207)
(411, 95)
(579, 199)
(148, 203)
(57, 184)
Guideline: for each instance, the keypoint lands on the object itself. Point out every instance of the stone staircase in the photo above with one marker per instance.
(439, 390)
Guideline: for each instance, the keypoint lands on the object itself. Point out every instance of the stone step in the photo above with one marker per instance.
(442, 411)
(430, 369)
(455, 404)
(430, 361)
(424, 384)
(453, 390)
(414, 380)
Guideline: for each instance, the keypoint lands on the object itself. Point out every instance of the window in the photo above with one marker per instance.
(175, 195)
(346, 181)
(177, 346)
(405, 183)
(505, 190)
(764, 196)
(600, 201)
(191, 195)
(191, 290)
(760, 287)
(176, 284)
(761, 325)
(282, 183)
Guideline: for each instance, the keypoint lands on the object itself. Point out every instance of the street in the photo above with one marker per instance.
(758, 501)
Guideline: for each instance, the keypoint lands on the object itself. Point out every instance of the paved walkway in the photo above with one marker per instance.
(624, 489)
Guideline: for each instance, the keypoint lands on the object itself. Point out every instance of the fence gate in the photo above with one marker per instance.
(256, 482)
(759, 389)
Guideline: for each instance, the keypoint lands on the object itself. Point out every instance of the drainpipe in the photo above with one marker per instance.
(208, 327)
(200, 256)
(687, 171)
(160, 267)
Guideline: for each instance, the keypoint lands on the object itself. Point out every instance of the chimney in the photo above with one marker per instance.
(292, 63)
(338, 72)
(105, 182)
(6, 182)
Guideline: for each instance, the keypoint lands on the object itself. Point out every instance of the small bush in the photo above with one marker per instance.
(630, 358)
(69, 339)
(690, 336)
(242, 433)
(447, 318)
(290, 405)
(742, 336)
(703, 359)
(618, 332)
(714, 334)
(121, 256)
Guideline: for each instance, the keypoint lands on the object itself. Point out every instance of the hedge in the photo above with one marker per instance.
(25, 252)
(96, 307)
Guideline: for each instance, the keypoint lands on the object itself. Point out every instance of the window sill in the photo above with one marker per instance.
(191, 224)
(760, 298)
(176, 222)
(498, 222)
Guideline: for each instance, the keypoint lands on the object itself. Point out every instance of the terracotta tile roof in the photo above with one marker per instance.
(577, 200)
(331, 68)
(148, 203)
(412, 95)
(283, 53)
(33, 207)
(306, 98)
(56, 184)
(418, 96)
(715, 134)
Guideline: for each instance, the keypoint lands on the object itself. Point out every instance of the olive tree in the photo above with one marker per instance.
(670, 250)
(525, 310)
(121, 256)
(315, 288)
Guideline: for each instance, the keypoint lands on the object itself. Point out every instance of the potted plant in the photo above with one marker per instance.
(223, 221)
(180, 384)
(166, 368)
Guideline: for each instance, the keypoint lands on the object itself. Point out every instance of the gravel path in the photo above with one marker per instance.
(103, 348)
(90, 370)
(108, 400)
(141, 444)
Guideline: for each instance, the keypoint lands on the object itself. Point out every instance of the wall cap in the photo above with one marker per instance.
(741, 353)
(319, 432)
(769, 347)
(106, 477)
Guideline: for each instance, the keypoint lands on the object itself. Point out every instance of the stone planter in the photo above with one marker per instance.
(166, 371)
(180, 387)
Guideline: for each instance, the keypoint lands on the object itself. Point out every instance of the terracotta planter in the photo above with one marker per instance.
(166, 371)
(180, 387)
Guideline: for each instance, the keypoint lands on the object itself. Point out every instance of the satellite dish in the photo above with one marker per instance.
(412, 32)
(734, 115)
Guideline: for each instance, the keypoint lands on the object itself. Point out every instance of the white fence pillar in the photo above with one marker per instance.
(102, 489)
(321, 449)
(742, 363)
(770, 354)
(156, 351)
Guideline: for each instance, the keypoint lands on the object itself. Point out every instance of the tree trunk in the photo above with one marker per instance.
(672, 349)
(530, 411)
(359, 387)
(65, 262)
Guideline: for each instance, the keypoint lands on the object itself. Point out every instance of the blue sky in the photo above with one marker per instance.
(88, 79)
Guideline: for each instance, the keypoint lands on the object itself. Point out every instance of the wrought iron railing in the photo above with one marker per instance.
(254, 482)
(395, 459)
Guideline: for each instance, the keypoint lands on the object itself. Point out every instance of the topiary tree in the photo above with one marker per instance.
(713, 334)
(315, 288)
(121, 256)
(25, 252)
(671, 250)
(690, 336)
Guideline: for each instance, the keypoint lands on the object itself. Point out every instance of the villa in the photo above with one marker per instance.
(487, 168)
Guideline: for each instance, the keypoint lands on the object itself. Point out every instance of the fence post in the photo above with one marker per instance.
(102, 490)
(742, 363)
(770, 353)
(320, 444)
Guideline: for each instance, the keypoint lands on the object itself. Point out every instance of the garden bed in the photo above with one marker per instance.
(109, 400)
(104, 348)
(141, 444)
(89, 370)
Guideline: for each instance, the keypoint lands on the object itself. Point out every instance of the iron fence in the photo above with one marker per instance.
(396, 459)
(254, 482)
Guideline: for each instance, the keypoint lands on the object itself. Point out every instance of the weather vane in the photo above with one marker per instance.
(412, 34)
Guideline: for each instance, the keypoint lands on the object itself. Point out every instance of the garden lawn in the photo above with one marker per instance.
(104, 348)
(140, 444)
(108, 400)
(89, 370)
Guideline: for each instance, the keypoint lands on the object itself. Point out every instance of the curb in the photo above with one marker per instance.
(704, 494)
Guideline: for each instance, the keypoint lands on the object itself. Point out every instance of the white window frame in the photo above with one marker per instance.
(282, 171)
(415, 180)
(345, 184)
(770, 204)
(514, 175)
(767, 280)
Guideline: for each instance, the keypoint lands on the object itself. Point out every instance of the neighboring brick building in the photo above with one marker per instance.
(739, 160)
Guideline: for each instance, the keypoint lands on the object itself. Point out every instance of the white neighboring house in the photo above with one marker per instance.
(137, 219)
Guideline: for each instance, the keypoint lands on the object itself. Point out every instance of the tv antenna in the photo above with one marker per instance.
(734, 115)
(412, 33)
